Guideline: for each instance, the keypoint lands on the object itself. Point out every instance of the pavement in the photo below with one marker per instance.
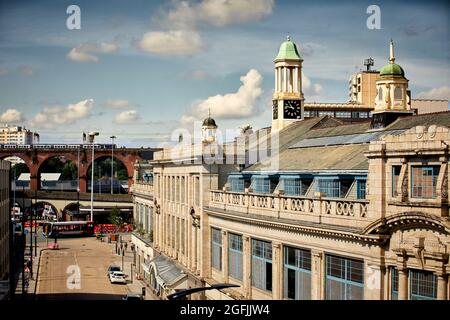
(79, 271)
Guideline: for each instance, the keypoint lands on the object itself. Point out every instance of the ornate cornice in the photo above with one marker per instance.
(317, 229)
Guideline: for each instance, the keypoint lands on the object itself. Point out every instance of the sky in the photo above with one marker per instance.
(144, 70)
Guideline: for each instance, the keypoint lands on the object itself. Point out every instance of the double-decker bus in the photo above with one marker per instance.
(68, 228)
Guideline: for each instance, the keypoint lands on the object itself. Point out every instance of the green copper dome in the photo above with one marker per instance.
(288, 51)
(392, 69)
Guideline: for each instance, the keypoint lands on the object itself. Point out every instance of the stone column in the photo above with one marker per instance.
(247, 267)
(198, 251)
(402, 284)
(442, 283)
(225, 256)
(280, 77)
(295, 79)
(277, 271)
(317, 275)
(284, 79)
(276, 80)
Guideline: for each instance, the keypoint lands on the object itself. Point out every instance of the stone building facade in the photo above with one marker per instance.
(336, 211)
(4, 219)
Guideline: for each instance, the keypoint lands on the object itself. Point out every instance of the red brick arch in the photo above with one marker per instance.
(34, 158)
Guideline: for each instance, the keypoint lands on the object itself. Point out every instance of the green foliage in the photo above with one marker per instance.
(18, 169)
(67, 169)
(115, 218)
(103, 169)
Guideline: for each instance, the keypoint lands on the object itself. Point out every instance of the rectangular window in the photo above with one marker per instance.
(183, 234)
(260, 184)
(197, 191)
(291, 185)
(423, 285)
(183, 190)
(235, 256)
(216, 248)
(424, 180)
(262, 264)
(344, 278)
(326, 113)
(361, 189)
(236, 183)
(343, 114)
(394, 284)
(152, 222)
(395, 174)
(331, 187)
(297, 274)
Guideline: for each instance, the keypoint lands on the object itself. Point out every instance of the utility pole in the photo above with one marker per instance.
(78, 181)
(35, 223)
(112, 164)
(91, 140)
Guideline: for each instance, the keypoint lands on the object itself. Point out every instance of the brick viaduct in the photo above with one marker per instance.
(34, 158)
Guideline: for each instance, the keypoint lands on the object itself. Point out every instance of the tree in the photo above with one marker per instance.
(115, 218)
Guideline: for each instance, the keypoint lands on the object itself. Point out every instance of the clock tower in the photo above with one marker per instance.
(288, 98)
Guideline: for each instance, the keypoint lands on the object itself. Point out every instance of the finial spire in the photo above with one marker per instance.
(288, 37)
(209, 112)
(391, 52)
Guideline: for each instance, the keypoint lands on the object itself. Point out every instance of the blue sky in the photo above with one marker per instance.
(153, 66)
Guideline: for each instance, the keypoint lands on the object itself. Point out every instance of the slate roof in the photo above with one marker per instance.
(310, 145)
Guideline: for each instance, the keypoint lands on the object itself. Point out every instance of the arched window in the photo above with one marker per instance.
(380, 94)
(398, 93)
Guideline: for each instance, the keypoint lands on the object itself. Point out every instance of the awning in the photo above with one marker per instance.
(167, 273)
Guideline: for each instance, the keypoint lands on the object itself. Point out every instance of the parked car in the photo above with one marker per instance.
(117, 277)
(132, 296)
(111, 269)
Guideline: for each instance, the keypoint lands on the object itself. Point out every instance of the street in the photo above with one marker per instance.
(58, 271)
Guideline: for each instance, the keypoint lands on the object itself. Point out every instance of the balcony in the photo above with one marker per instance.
(331, 211)
(143, 188)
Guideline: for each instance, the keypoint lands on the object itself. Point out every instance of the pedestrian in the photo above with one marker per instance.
(126, 245)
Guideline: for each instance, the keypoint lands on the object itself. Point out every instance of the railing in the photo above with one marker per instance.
(346, 212)
(142, 187)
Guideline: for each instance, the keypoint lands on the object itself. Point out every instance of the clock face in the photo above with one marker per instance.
(275, 110)
(292, 109)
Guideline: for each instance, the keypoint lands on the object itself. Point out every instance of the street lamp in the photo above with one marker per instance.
(91, 140)
(112, 164)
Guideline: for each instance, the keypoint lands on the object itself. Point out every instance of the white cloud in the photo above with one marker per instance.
(221, 13)
(26, 70)
(435, 93)
(173, 42)
(127, 117)
(51, 116)
(85, 51)
(216, 12)
(11, 116)
(116, 104)
(236, 105)
(180, 36)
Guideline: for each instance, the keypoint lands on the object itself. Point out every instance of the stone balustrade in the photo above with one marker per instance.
(344, 212)
(142, 187)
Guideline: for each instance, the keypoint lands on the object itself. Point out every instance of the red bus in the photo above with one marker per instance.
(68, 228)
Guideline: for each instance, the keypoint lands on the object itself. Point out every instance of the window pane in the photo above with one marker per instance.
(423, 285)
(424, 180)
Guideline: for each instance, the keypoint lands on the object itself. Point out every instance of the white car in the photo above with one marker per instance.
(117, 277)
